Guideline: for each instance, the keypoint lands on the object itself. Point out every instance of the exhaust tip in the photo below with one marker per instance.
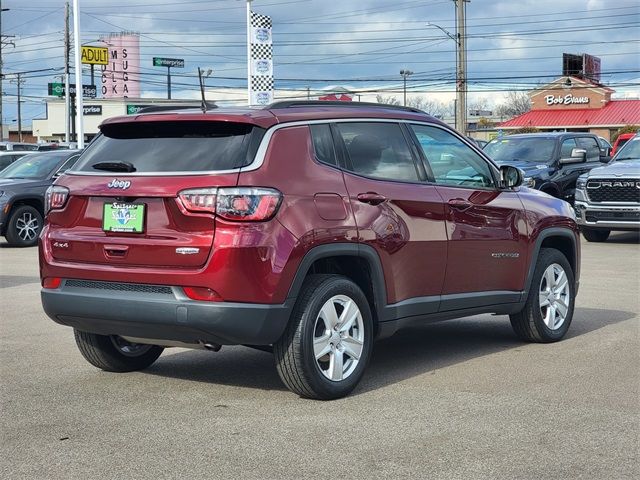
(214, 347)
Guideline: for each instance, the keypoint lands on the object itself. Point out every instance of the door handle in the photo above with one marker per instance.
(460, 204)
(371, 198)
(116, 251)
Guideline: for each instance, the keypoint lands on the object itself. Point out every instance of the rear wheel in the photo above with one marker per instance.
(114, 354)
(24, 227)
(327, 344)
(593, 235)
(549, 307)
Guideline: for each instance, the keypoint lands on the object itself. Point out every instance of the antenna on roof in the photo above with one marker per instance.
(201, 77)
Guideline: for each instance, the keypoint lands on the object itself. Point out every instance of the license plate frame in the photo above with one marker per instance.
(122, 217)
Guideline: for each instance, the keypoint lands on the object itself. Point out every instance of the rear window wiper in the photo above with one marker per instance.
(115, 166)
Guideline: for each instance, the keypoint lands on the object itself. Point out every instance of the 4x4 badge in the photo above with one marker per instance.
(115, 183)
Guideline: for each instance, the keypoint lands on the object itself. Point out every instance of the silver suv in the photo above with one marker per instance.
(608, 197)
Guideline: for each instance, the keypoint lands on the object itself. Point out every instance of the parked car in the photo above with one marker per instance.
(608, 198)
(620, 141)
(17, 146)
(311, 228)
(7, 158)
(23, 185)
(552, 162)
(479, 143)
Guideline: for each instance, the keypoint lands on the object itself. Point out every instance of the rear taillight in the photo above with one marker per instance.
(246, 204)
(199, 200)
(55, 198)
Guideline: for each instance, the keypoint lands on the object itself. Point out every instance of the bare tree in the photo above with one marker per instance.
(432, 107)
(390, 100)
(479, 104)
(515, 103)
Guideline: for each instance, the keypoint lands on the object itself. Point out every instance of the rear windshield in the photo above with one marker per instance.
(173, 146)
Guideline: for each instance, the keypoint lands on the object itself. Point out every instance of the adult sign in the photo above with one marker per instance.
(95, 55)
(168, 62)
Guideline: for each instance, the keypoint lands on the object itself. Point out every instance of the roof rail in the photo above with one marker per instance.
(169, 108)
(329, 103)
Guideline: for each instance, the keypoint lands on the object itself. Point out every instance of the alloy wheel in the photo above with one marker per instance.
(554, 296)
(28, 227)
(338, 340)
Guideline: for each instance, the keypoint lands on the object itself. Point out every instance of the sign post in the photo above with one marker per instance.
(168, 62)
(78, 67)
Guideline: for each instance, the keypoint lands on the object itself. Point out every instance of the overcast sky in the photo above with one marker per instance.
(318, 43)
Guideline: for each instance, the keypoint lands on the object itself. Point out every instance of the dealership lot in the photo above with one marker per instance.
(459, 399)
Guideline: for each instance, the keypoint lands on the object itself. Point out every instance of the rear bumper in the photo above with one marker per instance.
(165, 313)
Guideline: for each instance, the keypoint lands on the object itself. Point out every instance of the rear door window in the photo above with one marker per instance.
(185, 146)
(378, 150)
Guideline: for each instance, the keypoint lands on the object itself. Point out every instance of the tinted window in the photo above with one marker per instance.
(5, 161)
(567, 147)
(451, 160)
(591, 146)
(378, 150)
(527, 149)
(174, 146)
(68, 164)
(631, 150)
(36, 165)
(323, 143)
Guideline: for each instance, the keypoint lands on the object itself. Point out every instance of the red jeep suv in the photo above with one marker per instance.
(308, 228)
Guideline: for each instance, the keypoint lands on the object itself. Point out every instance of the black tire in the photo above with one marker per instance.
(294, 352)
(593, 235)
(528, 324)
(17, 235)
(108, 352)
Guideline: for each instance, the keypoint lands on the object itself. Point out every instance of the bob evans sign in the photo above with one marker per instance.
(568, 99)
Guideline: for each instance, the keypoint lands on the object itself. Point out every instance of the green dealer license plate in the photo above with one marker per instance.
(123, 217)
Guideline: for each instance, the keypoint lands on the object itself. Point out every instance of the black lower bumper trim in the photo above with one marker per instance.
(166, 317)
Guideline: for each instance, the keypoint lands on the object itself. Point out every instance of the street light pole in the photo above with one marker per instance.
(405, 74)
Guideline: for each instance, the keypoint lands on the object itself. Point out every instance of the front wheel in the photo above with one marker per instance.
(548, 310)
(592, 235)
(114, 354)
(24, 227)
(327, 344)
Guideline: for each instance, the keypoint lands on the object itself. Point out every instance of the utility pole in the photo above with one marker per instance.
(18, 81)
(78, 72)
(67, 95)
(4, 40)
(461, 70)
(405, 74)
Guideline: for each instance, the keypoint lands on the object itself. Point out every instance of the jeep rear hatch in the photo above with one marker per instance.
(142, 193)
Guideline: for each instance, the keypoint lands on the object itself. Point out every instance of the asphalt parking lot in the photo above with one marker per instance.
(459, 399)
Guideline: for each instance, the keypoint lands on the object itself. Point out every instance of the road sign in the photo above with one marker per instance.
(168, 62)
(133, 109)
(95, 55)
(57, 89)
(92, 109)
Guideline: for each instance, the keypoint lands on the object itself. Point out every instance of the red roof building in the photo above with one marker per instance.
(574, 104)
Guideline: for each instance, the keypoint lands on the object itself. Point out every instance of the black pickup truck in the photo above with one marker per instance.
(552, 162)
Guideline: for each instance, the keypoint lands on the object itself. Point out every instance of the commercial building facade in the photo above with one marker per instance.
(577, 105)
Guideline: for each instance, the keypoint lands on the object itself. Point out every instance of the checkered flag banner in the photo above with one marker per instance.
(261, 61)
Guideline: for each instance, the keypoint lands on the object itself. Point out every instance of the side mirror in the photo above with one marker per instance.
(578, 155)
(511, 177)
(605, 155)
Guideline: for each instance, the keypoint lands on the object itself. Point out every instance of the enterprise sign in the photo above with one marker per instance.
(168, 62)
